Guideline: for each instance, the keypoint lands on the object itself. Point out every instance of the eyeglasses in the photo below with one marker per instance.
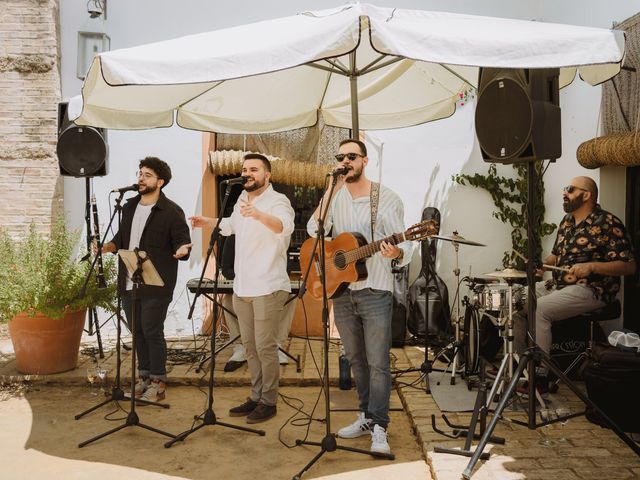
(571, 188)
(145, 175)
(351, 156)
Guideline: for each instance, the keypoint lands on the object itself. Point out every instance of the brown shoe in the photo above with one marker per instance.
(262, 413)
(243, 410)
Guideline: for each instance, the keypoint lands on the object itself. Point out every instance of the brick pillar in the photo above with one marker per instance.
(30, 183)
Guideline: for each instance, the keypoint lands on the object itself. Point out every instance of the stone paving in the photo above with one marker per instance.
(576, 449)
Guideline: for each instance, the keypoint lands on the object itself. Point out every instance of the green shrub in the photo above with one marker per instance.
(39, 273)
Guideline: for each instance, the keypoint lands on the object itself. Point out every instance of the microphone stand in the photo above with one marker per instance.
(328, 443)
(208, 416)
(116, 391)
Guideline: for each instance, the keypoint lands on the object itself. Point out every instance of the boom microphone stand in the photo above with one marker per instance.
(208, 416)
(534, 355)
(152, 278)
(116, 391)
(328, 443)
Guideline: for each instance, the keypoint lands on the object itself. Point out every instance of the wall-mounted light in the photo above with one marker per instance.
(92, 36)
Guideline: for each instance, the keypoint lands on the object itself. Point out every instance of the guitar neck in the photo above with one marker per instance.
(372, 248)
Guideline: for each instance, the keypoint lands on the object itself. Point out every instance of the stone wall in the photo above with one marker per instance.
(30, 184)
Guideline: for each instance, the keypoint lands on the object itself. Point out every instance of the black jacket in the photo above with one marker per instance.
(165, 231)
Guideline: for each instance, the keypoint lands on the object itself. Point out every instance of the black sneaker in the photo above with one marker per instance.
(262, 413)
(243, 410)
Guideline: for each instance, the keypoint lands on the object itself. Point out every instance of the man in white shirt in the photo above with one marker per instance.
(262, 221)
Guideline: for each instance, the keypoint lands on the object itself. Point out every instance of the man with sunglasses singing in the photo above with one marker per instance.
(157, 226)
(591, 252)
(363, 311)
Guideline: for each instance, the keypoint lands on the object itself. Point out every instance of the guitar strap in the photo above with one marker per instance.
(374, 195)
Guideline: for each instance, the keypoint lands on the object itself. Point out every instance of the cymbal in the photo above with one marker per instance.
(455, 238)
(507, 273)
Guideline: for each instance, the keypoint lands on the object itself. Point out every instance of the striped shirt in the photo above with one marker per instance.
(349, 215)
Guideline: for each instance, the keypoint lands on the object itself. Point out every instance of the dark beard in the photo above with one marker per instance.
(572, 205)
(255, 185)
(147, 190)
(354, 178)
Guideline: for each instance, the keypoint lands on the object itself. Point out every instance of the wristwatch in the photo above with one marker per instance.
(398, 259)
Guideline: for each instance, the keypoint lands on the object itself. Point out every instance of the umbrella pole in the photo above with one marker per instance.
(353, 82)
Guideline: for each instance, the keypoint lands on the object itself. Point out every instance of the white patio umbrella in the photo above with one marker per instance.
(359, 66)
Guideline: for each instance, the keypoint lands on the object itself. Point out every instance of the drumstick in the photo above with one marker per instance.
(550, 267)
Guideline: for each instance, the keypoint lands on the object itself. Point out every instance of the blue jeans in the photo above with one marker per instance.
(363, 318)
(151, 347)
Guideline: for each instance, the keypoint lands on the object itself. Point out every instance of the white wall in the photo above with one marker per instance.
(416, 162)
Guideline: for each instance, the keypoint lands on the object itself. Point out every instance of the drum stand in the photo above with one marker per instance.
(505, 370)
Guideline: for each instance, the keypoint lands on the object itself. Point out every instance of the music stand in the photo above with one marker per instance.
(328, 443)
(142, 272)
(208, 416)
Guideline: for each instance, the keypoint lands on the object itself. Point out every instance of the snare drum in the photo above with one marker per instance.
(495, 297)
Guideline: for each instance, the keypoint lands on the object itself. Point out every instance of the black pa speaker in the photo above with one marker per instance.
(518, 114)
(82, 151)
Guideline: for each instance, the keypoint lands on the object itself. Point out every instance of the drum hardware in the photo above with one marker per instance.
(456, 240)
(480, 411)
(510, 358)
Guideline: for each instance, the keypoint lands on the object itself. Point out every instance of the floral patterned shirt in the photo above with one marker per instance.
(601, 237)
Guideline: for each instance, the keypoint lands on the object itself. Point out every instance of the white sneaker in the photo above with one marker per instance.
(239, 354)
(155, 391)
(379, 442)
(141, 386)
(282, 358)
(362, 426)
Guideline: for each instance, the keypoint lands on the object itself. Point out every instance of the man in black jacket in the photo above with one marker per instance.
(154, 224)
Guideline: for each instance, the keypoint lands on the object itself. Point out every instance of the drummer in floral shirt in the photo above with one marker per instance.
(594, 249)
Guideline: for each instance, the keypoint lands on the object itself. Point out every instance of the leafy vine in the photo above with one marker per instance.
(510, 198)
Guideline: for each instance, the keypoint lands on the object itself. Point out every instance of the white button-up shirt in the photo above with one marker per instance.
(260, 262)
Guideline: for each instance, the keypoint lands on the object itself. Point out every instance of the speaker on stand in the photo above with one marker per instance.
(82, 151)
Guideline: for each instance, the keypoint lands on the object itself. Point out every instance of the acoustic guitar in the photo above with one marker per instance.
(346, 255)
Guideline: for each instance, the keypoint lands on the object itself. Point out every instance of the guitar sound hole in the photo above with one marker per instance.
(340, 261)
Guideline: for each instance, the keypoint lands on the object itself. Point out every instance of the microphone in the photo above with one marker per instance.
(130, 188)
(233, 181)
(338, 171)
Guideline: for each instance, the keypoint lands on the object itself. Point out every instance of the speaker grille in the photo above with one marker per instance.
(82, 151)
(504, 119)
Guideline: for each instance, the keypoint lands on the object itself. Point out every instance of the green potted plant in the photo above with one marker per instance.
(41, 299)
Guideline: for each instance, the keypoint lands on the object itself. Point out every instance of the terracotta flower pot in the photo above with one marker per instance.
(44, 345)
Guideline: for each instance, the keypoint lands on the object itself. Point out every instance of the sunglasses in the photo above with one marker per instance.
(351, 156)
(572, 188)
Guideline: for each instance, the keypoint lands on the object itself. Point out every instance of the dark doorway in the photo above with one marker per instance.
(632, 221)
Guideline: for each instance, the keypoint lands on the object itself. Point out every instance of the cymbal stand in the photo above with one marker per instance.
(456, 355)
